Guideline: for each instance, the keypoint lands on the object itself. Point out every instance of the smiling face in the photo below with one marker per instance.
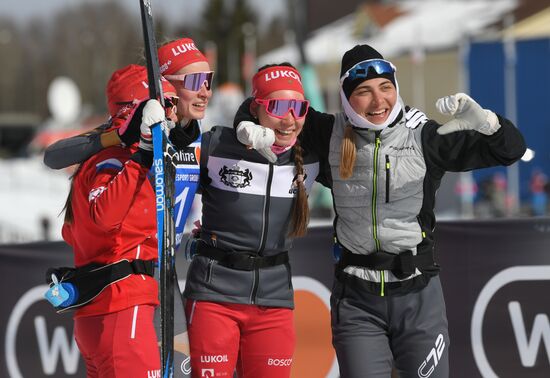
(287, 128)
(192, 105)
(374, 99)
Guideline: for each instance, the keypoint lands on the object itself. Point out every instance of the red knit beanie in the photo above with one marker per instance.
(126, 89)
(129, 84)
(178, 54)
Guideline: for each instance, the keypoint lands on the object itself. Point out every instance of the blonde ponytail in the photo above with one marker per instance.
(348, 153)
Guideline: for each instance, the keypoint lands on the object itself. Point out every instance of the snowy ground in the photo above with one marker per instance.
(29, 193)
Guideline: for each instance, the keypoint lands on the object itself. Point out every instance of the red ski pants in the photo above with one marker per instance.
(257, 341)
(121, 344)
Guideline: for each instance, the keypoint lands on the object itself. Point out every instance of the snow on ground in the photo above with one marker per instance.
(30, 192)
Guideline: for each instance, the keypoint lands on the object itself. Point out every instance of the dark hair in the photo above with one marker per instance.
(300, 208)
(142, 59)
(68, 207)
(283, 64)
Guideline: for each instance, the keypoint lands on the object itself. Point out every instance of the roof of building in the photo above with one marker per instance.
(398, 28)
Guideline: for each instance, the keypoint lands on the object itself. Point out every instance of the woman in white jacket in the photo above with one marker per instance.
(384, 163)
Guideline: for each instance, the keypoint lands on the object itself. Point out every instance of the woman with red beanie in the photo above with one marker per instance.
(187, 69)
(239, 296)
(110, 222)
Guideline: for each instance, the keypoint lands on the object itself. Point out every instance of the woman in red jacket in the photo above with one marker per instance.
(110, 217)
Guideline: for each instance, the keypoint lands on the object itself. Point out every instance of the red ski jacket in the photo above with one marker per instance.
(114, 215)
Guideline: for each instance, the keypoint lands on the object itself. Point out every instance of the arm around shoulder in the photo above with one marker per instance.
(73, 150)
(317, 132)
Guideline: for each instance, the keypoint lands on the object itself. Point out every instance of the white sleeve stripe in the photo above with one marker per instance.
(95, 192)
(109, 163)
(415, 118)
(419, 118)
(411, 113)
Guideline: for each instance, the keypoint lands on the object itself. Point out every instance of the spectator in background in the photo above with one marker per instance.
(539, 195)
(493, 197)
(222, 107)
(499, 195)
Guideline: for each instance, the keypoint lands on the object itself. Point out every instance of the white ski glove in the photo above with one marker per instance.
(257, 137)
(153, 113)
(468, 115)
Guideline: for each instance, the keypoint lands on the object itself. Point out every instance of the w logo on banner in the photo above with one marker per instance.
(517, 292)
(33, 329)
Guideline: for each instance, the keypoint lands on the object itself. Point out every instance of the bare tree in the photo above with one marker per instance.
(222, 24)
(11, 60)
(86, 43)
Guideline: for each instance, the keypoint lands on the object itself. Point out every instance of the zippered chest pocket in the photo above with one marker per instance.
(403, 176)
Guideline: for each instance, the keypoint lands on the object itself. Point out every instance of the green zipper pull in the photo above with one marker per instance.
(377, 143)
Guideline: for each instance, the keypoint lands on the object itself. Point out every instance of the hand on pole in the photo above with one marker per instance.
(153, 113)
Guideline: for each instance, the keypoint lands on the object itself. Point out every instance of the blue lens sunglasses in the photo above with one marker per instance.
(361, 69)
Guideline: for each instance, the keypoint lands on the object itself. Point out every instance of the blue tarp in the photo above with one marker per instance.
(486, 64)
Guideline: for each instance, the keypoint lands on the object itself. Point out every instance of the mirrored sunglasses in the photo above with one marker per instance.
(279, 107)
(194, 81)
(361, 69)
(170, 102)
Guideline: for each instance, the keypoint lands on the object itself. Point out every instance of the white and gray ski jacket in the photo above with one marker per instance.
(387, 205)
(247, 204)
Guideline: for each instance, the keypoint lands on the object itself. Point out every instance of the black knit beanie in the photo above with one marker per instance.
(358, 54)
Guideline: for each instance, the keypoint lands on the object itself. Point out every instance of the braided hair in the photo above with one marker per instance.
(300, 208)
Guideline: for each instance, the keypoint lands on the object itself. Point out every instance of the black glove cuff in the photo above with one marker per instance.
(143, 157)
(243, 113)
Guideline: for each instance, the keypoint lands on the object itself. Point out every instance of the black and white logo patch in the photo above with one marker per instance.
(235, 176)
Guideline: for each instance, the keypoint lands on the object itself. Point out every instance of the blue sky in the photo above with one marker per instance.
(174, 10)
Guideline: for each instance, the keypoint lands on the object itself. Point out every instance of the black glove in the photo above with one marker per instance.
(143, 157)
(131, 134)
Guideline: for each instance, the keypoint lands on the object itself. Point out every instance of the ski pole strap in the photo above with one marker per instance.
(241, 260)
(402, 264)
